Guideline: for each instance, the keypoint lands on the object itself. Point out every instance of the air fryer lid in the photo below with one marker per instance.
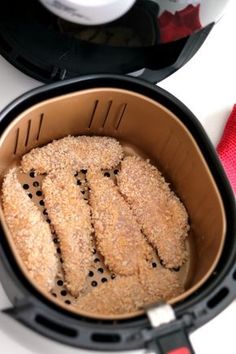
(117, 109)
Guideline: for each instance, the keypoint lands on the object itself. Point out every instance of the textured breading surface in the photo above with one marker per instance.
(163, 217)
(70, 216)
(31, 233)
(160, 283)
(140, 209)
(74, 153)
(131, 293)
(117, 233)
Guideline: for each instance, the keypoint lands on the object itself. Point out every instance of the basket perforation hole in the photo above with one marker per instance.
(25, 186)
(176, 269)
(30, 195)
(91, 274)
(113, 276)
(58, 250)
(35, 184)
(218, 297)
(96, 260)
(116, 172)
(39, 193)
(60, 282)
(104, 280)
(41, 202)
(68, 302)
(84, 171)
(100, 270)
(154, 265)
(94, 251)
(32, 174)
(94, 283)
(63, 293)
(79, 182)
(107, 174)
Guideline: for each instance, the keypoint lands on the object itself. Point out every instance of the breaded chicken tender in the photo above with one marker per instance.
(117, 233)
(70, 216)
(74, 153)
(158, 210)
(160, 282)
(30, 232)
(129, 294)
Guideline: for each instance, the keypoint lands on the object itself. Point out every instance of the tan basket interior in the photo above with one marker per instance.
(145, 128)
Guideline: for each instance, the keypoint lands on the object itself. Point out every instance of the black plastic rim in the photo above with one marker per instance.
(32, 309)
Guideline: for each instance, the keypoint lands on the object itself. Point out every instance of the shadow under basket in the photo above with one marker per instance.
(145, 126)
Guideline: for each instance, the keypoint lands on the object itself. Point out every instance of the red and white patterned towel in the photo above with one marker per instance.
(227, 148)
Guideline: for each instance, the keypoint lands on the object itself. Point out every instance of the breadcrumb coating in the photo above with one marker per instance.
(117, 233)
(140, 209)
(160, 283)
(158, 210)
(128, 294)
(70, 216)
(30, 232)
(74, 153)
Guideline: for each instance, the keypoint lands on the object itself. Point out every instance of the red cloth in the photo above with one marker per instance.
(227, 148)
(179, 25)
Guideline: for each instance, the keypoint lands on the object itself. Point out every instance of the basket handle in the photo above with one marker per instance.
(174, 343)
(168, 335)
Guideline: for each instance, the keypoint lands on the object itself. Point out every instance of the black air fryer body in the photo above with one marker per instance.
(32, 309)
(49, 48)
(148, 42)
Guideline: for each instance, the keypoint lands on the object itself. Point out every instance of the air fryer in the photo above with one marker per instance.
(149, 122)
(151, 40)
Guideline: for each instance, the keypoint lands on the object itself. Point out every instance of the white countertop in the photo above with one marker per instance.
(206, 84)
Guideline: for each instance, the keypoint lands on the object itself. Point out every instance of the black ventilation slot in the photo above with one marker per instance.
(28, 133)
(93, 114)
(40, 125)
(105, 338)
(107, 113)
(16, 141)
(55, 327)
(218, 298)
(121, 115)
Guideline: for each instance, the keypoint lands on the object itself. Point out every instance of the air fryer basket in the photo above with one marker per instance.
(145, 127)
